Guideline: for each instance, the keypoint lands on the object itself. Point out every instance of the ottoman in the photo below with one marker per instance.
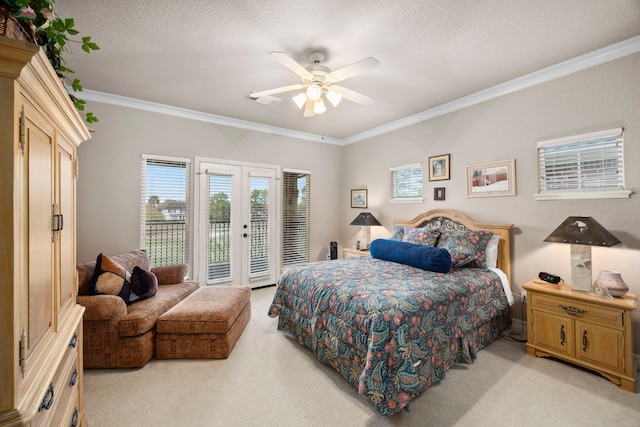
(204, 325)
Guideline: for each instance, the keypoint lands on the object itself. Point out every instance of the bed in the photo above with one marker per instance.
(390, 329)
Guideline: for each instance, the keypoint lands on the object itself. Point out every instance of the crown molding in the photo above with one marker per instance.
(138, 104)
(583, 62)
(562, 69)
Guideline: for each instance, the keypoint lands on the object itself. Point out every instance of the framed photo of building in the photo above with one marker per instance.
(359, 199)
(439, 167)
(492, 179)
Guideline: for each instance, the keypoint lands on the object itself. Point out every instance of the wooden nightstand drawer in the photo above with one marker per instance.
(577, 309)
(586, 330)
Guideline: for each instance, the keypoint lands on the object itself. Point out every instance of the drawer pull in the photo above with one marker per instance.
(47, 401)
(74, 340)
(74, 419)
(562, 335)
(74, 377)
(584, 340)
(573, 310)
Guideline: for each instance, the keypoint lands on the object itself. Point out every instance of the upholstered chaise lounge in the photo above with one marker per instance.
(117, 335)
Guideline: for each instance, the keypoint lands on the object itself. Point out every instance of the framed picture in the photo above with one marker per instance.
(492, 179)
(439, 168)
(438, 193)
(359, 198)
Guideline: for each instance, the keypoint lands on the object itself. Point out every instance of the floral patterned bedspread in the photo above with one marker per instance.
(390, 329)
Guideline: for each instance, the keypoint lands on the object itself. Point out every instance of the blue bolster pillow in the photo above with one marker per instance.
(419, 256)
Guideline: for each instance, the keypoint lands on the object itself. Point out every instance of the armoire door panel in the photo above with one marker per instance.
(40, 245)
(65, 187)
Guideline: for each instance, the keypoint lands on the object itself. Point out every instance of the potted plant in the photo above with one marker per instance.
(52, 33)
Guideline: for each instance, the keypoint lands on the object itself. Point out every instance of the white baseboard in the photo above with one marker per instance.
(519, 325)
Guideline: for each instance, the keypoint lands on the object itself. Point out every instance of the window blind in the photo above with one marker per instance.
(164, 209)
(582, 163)
(406, 181)
(296, 224)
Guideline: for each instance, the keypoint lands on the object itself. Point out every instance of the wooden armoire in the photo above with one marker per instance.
(40, 322)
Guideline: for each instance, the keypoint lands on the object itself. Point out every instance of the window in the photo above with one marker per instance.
(164, 210)
(296, 224)
(406, 184)
(589, 166)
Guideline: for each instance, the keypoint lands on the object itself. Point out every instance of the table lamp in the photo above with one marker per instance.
(581, 232)
(366, 220)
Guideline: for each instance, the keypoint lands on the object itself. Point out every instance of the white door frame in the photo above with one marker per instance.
(200, 216)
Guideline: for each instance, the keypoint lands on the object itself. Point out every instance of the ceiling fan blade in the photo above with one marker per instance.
(308, 109)
(352, 95)
(286, 60)
(276, 90)
(353, 70)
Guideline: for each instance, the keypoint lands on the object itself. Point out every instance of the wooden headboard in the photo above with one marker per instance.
(502, 230)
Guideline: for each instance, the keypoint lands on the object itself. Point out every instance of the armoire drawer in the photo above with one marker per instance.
(56, 398)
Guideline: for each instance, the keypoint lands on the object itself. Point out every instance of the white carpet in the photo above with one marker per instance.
(270, 380)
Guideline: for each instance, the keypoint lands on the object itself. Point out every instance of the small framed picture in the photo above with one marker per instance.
(359, 199)
(438, 193)
(439, 167)
(492, 179)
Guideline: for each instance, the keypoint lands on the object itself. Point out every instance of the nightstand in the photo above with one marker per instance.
(589, 331)
(353, 253)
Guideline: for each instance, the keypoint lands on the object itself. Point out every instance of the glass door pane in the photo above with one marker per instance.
(219, 228)
(260, 253)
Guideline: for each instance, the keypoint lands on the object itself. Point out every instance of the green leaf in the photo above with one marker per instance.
(77, 87)
(79, 103)
(64, 69)
(90, 118)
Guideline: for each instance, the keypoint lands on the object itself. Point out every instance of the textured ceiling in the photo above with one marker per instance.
(208, 56)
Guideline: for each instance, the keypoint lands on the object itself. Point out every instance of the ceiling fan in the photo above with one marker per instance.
(318, 83)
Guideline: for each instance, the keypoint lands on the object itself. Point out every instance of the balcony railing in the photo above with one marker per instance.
(167, 243)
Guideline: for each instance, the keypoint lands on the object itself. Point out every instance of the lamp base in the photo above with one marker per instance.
(581, 278)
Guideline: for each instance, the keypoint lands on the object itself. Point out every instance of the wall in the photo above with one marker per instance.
(509, 127)
(109, 183)
(504, 128)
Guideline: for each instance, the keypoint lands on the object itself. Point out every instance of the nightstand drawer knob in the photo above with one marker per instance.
(573, 310)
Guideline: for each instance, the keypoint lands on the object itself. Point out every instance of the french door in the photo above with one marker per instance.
(237, 233)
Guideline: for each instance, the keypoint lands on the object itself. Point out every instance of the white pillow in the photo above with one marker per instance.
(492, 251)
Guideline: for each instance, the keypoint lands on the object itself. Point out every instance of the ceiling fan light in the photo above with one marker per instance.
(313, 92)
(300, 99)
(319, 107)
(334, 97)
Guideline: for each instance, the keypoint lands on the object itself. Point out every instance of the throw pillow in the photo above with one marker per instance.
(421, 236)
(416, 255)
(398, 232)
(110, 278)
(467, 247)
(144, 284)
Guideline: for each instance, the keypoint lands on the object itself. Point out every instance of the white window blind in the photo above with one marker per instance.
(164, 209)
(296, 224)
(406, 183)
(582, 166)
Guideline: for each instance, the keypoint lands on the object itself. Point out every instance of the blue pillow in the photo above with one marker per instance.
(419, 256)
